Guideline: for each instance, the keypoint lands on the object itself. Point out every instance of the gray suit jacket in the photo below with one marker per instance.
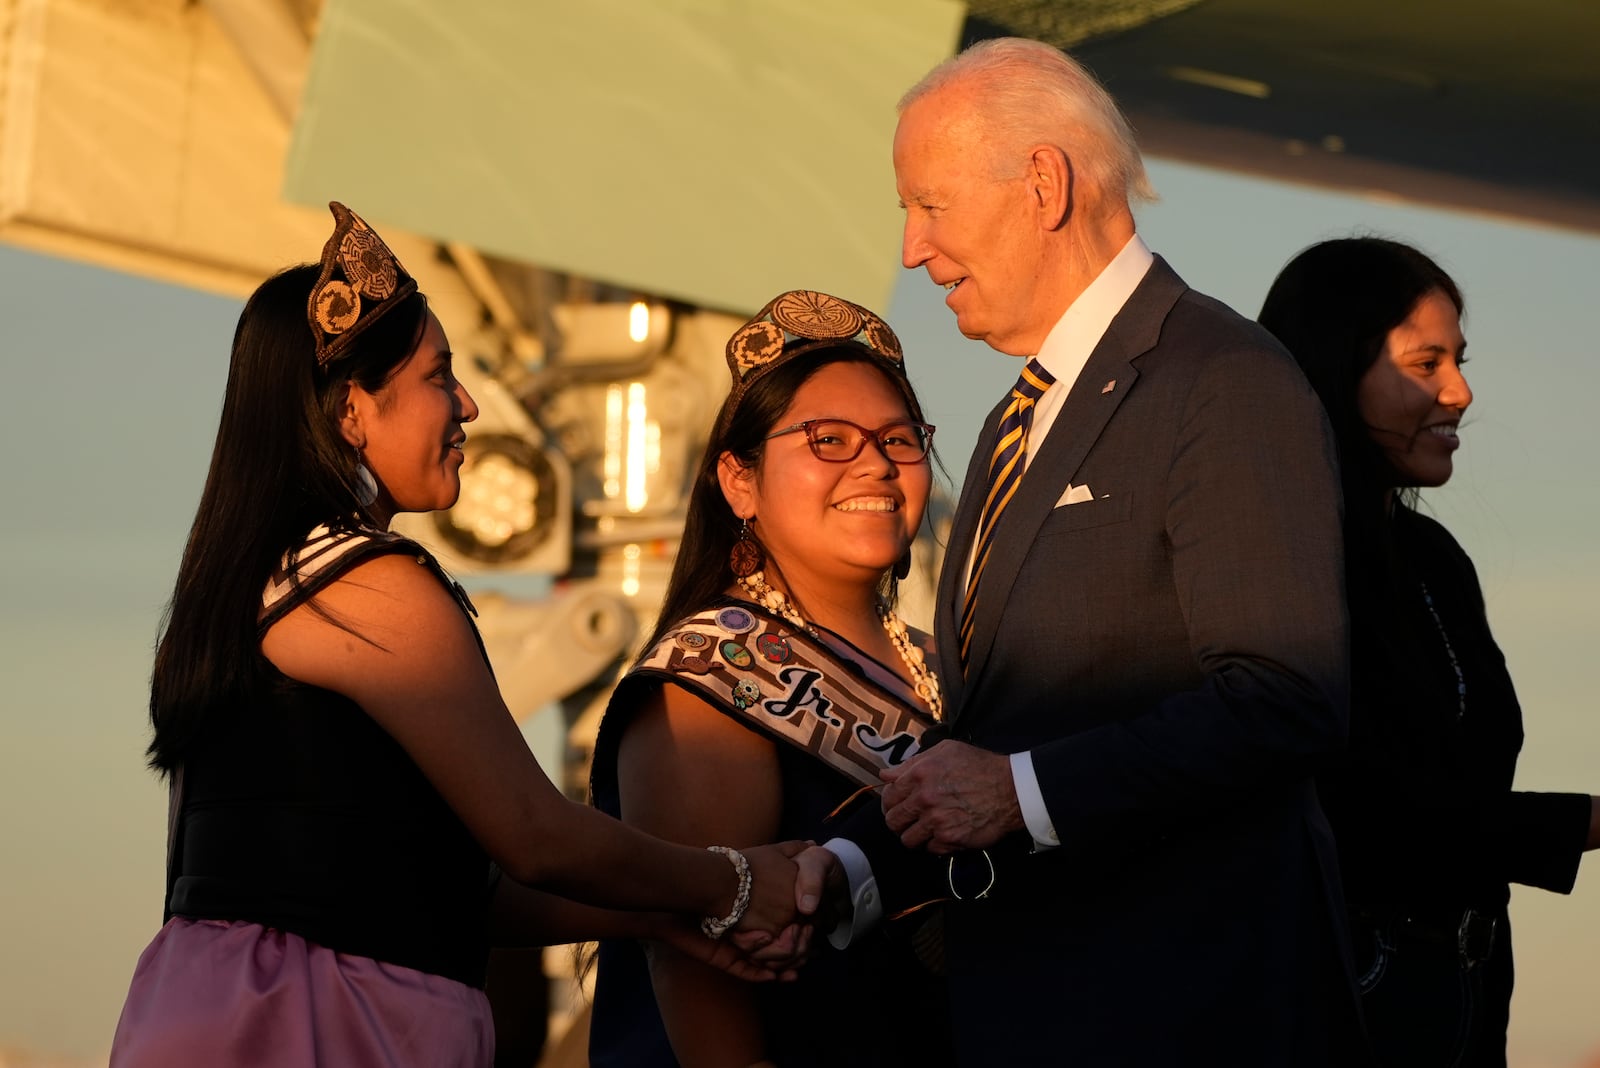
(1173, 654)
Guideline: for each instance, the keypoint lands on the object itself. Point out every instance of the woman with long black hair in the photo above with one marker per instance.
(347, 783)
(777, 683)
(1430, 831)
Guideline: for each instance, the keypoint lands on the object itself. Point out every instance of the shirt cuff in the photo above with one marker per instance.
(1031, 800)
(866, 906)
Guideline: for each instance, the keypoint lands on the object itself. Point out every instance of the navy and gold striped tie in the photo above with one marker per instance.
(1005, 474)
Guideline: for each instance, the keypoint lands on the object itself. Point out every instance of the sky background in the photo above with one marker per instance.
(113, 388)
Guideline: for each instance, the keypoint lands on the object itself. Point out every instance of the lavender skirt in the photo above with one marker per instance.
(238, 994)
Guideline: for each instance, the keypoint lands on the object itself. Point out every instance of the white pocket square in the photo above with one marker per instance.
(1076, 495)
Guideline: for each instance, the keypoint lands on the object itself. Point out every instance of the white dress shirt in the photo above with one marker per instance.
(1066, 349)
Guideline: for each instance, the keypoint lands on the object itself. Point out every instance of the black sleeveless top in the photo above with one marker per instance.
(300, 813)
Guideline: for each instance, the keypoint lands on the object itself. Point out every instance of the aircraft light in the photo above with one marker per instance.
(507, 503)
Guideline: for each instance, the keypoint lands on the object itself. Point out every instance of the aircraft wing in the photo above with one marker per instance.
(154, 136)
(1471, 105)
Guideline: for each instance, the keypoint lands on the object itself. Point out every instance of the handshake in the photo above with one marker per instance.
(791, 888)
(949, 798)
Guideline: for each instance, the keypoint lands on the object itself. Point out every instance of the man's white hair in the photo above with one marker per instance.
(1026, 92)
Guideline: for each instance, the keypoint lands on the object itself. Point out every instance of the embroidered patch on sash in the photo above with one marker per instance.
(736, 620)
(736, 654)
(696, 665)
(773, 648)
(798, 690)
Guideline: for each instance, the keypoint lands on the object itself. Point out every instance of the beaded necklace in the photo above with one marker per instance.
(1455, 665)
(923, 680)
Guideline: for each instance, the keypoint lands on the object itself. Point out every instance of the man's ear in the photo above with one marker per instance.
(350, 408)
(738, 484)
(1050, 175)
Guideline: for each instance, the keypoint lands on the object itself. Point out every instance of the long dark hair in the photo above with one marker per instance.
(279, 468)
(1333, 306)
(701, 573)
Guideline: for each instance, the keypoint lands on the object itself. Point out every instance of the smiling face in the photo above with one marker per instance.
(1413, 396)
(825, 524)
(970, 224)
(409, 432)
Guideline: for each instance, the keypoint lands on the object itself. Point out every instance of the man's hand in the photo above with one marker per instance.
(951, 797)
(820, 877)
(821, 892)
(812, 877)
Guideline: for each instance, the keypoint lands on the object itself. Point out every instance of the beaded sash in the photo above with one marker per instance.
(786, 684)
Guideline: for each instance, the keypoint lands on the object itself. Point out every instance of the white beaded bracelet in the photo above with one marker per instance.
(713, 928)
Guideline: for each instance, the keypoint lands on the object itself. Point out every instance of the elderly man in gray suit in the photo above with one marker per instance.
(1140, 622)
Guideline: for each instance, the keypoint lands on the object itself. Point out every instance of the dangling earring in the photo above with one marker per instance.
(366, 485)
(902, 566)
(746, 557)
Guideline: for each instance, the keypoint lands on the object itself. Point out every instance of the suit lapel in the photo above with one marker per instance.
(1078, 425)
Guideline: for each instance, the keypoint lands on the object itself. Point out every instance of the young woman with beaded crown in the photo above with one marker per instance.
(343, 767)
(777, 682)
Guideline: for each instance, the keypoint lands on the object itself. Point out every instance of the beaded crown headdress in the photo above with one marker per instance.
(360, 281)
(800, 321)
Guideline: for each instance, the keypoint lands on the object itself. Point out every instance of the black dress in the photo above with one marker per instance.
(301, 813)
(1429, 829)
(874, 1005)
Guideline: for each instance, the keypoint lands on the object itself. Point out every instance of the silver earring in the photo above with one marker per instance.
(366, 485)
